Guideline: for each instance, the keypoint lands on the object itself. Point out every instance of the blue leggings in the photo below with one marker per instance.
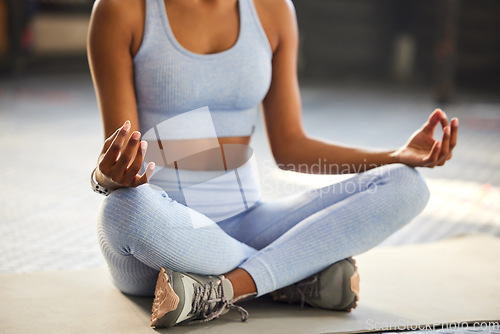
(277, 242)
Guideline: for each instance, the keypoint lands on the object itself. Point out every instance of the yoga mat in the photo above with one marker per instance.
(454, 280)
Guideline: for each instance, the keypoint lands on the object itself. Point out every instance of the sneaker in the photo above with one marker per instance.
(334, 288)
(183, 298)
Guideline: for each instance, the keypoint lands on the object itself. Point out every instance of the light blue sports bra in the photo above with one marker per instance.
(171, 80)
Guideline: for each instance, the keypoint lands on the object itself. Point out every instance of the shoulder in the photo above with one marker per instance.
(278, 19)
(118, 9)
(122, 19)
(280, 8)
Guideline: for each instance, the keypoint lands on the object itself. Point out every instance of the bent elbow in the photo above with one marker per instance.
(282, 160)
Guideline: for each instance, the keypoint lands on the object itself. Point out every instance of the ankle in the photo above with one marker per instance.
(243, 284)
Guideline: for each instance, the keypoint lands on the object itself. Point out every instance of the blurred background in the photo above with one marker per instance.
(370, 71)
(446, 44)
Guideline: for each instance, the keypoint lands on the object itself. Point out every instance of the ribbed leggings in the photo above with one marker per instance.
(277, 242)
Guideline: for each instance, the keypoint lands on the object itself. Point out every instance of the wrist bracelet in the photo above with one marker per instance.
(96, 186)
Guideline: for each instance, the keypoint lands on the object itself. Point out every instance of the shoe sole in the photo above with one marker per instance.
(165, 301)
(354, 282)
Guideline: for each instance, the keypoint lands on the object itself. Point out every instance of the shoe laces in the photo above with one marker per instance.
(209, 302)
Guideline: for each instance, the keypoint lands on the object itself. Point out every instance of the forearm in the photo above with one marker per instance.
(312, 156)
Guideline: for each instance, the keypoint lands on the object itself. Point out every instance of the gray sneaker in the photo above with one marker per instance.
(334, 288)
(182, 298)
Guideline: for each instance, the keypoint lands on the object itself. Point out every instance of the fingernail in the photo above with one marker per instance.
(447, 130)
(144, 146)
(126, 126)
(149, 170)
(136, 136)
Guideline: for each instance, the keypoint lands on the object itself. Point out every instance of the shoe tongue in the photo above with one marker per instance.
(189, 283)
(227, 288)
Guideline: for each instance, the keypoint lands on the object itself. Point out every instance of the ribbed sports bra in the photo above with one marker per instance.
(171, 80)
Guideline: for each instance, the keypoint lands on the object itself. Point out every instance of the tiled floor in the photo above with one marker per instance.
(50, 135)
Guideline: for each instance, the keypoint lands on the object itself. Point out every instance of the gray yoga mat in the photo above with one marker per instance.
(450, 281)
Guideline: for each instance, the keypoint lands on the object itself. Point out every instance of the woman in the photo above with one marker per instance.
(189, 76)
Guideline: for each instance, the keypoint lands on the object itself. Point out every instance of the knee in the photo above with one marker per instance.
(129, 195)
(411, 185)
(124, 208)
(127, 201)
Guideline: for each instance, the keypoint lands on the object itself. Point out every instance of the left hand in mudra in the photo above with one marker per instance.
(422, 150)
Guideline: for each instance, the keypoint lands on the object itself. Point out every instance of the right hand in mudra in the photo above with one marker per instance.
(120, 160)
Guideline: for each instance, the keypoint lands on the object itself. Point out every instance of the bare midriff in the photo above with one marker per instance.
(224, 153)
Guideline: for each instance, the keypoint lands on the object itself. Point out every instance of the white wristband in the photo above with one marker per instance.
(96, 186)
